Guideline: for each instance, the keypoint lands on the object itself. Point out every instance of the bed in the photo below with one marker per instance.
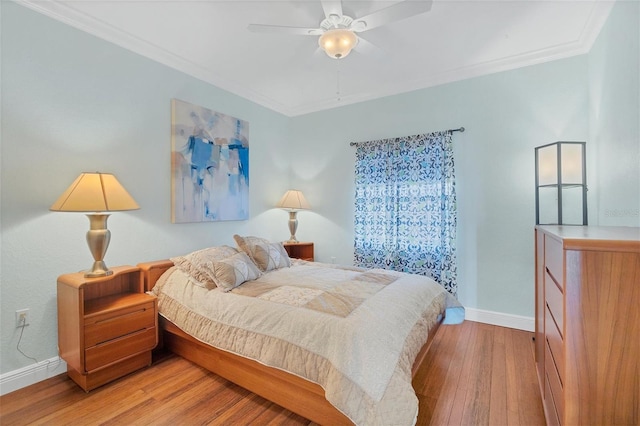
(305, 335)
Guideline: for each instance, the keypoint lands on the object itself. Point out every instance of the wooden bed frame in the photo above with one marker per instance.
(285, 389)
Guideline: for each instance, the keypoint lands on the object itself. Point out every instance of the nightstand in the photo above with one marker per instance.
(302, 251)
(107, 326)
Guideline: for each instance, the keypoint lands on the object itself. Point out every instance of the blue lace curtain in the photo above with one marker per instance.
(405, 207)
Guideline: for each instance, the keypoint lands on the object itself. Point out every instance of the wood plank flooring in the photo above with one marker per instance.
(474, 374)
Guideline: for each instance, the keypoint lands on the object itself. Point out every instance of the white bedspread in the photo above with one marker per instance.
(355, 332)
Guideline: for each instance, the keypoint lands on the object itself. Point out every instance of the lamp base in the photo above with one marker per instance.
(98, 238)
(293, 226)
(99, 269)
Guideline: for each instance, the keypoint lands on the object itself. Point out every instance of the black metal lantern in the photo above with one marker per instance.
(561, 184)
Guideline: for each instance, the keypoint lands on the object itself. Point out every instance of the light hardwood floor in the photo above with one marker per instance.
(474, 374)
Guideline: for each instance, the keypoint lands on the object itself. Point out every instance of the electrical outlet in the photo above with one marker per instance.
(22, 318)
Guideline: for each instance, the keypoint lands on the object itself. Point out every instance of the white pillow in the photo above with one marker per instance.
(229, 273)
(195, 263)
(266, 255)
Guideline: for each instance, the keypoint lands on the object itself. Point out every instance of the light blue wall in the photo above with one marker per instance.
(506, 115)
(71, 103)
(591, 98)
(614, 116)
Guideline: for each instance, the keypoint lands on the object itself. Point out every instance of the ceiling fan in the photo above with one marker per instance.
(338, 31)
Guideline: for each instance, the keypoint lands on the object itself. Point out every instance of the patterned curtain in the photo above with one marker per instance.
(405, 207)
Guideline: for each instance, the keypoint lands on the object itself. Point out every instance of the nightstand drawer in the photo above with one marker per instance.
(107, 326)
(114, 350)
(111, 325)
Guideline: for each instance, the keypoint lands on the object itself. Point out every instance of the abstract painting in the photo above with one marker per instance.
(209, 165)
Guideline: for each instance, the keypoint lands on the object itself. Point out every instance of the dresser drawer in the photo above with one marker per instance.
(111, 325)
(553, 299)
(549, 405)
(114, 350)
(554, 383)
(554, 259)
(556, 345)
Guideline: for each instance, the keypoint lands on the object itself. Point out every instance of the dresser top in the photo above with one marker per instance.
(595, 237)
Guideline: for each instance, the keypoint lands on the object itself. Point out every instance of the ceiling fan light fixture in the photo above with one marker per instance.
(338, 42)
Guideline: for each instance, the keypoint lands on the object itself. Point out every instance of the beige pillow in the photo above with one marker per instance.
(195, 263)
(229, 273)
(266, 255)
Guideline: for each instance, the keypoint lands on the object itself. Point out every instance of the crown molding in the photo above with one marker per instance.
(68, 15)
(83, 22)
(599, 15)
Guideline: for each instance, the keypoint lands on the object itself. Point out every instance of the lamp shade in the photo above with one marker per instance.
(293, 200)
(95, 192)
(561, 183)
(338, 42)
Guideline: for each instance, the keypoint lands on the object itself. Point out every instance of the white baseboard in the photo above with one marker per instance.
(497, 318)
(43, 370)
(34, 373)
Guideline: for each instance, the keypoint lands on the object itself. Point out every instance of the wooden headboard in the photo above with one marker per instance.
(151, 271)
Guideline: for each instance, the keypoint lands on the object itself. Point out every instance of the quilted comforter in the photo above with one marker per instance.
(353, 331)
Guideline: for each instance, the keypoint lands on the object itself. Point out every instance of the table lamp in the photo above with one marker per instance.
(293, 201)
(97, 193)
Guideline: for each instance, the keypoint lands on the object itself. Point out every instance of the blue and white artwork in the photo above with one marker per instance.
(209, 165)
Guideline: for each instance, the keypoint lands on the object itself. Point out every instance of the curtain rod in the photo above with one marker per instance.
(459, 129)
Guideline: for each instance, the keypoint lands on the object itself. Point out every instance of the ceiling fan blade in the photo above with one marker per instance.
(278, 29)
(332, 7)
(396, 12)
(367, 48)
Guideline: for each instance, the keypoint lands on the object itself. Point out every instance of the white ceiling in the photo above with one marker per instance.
(288, 73)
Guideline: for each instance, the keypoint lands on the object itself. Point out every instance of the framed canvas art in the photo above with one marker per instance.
(209, 165)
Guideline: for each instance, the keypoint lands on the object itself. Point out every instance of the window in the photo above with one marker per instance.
(405, 206)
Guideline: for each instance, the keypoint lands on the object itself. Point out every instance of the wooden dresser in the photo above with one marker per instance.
(107, 326)
(587, 332)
